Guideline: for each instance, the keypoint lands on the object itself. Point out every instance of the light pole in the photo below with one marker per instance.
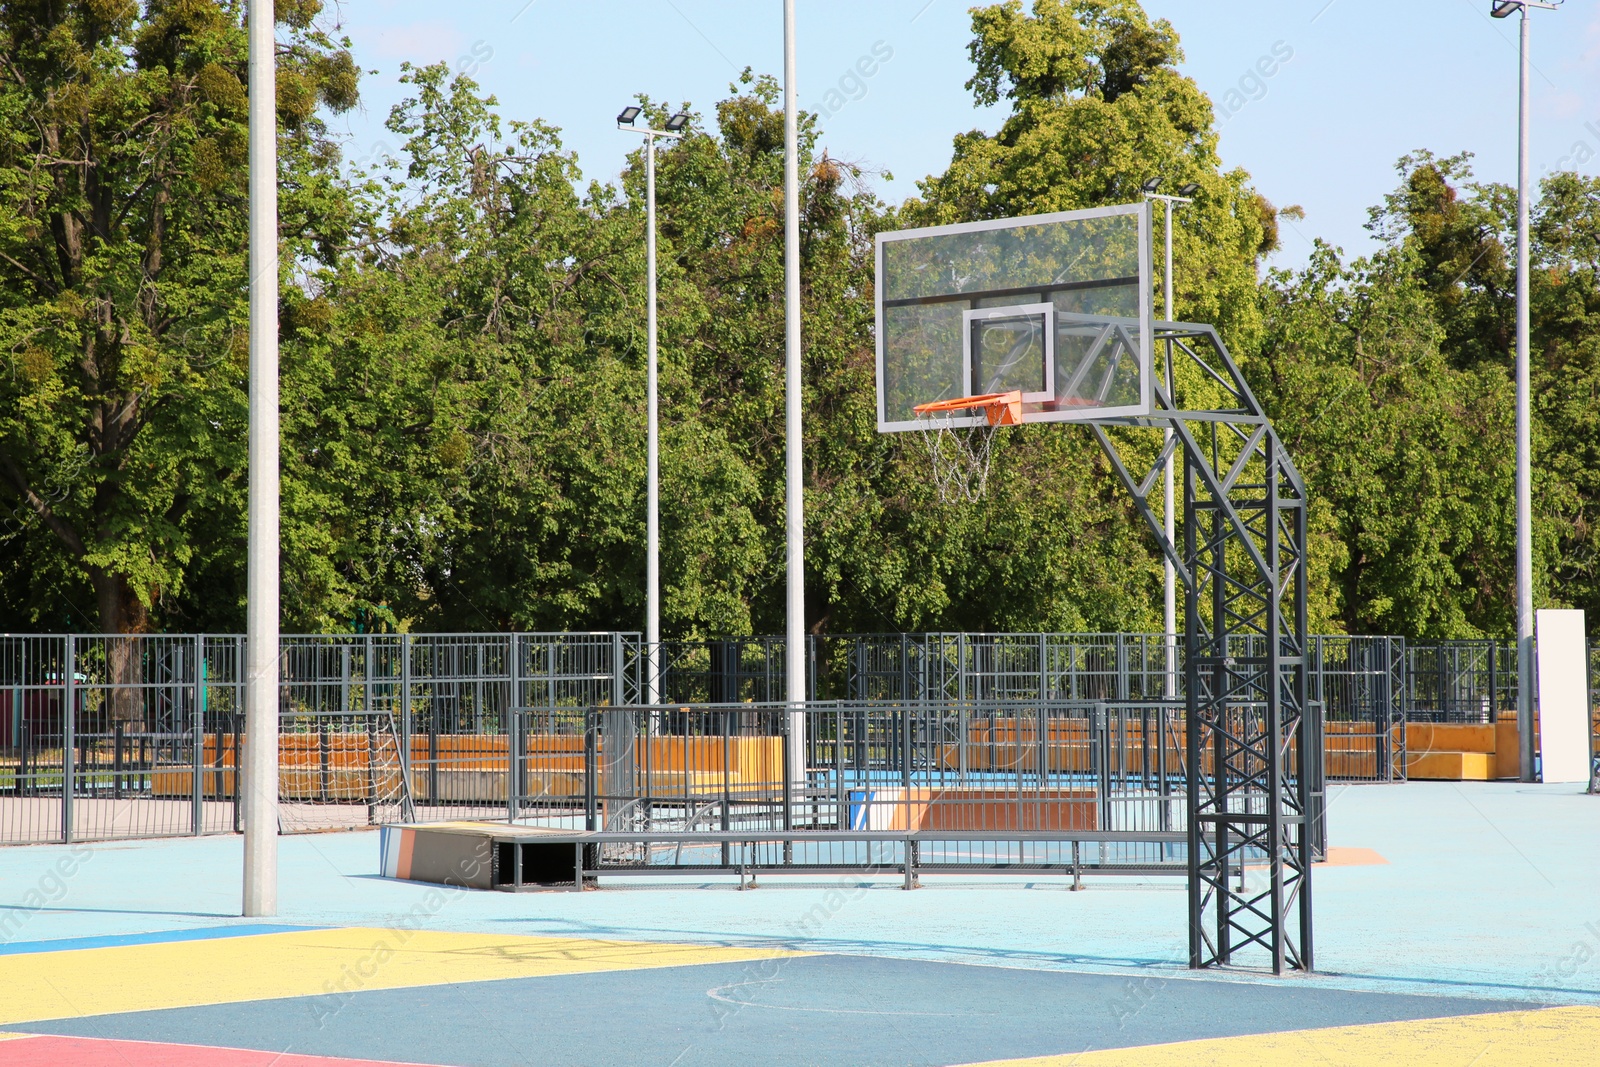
(1168, 523)
(676, 126)
(794, 485)
(1501, 9)
(260, 778)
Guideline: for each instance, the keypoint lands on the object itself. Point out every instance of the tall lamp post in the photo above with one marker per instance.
(260, 778)
(794, 485)
(1503, 9)
(1169, 526)
(676, 126)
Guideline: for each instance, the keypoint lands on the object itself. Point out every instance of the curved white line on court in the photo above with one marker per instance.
(716, 993)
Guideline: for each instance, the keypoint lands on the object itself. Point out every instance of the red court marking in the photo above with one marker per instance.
(20, 1051)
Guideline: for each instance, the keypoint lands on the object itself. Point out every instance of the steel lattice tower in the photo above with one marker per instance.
(1252, 803)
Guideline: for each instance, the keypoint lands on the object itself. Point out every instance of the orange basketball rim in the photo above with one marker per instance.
(1002, 409)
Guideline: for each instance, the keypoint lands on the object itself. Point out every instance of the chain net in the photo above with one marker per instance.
(960, 455)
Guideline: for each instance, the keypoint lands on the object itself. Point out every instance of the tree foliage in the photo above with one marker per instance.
(123, 290)
(1391, 378)
(463, 353)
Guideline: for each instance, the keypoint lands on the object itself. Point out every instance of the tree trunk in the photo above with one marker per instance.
(122, 614)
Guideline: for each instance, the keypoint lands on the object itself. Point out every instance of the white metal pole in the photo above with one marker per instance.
(794, 487)
(1168, 523)
(652, 566)
(260, 786)
(1524, 436)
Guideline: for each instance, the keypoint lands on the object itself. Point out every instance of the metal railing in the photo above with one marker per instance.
(1360, 681)
(1461, 681)
(993, 785)
(147, 728)
(105, 737)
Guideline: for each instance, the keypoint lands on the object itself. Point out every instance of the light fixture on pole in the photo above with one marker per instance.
(1169, 614)
(676, 127)
(1524, 489)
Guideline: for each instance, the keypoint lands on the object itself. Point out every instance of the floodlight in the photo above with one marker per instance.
(1151, 184)
(1503, 8)
(677, 123)
(1189, 190)
(629, 113)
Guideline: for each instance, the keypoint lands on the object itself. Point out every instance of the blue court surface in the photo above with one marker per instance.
(1458, 920)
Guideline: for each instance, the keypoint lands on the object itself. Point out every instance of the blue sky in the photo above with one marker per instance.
(1367, 81)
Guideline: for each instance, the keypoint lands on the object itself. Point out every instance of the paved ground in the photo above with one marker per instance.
(1476, 943)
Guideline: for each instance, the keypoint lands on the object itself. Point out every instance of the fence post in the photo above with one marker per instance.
(785, 723)
(516, 747)
(961, 668)
(619, 698)
(1385, 753)
(68, 738)
(1042, 770)
(407, 725)
(964, 737)
(1314, 763)
(1494, 680)
(197, 812)
(905, 762)
(515, 727)
(1101, 747)
(591, 718)
(725, 718)
(514, 649)
(1122, 666)
(116, 759)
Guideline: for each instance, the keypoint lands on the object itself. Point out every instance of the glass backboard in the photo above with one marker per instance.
(1056, 306)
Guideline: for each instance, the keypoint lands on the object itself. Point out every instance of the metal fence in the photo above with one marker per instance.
(140, 736)
(1461, 681)
(147, 728)
(1360, 681)
(998, 667)
(963, 775)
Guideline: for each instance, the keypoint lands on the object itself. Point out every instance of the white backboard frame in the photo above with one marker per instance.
(1010, 311)
(1146, 318)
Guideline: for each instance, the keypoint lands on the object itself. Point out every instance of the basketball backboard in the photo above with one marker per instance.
(1055, 306)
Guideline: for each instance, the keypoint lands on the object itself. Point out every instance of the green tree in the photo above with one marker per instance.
(123, 289)
(1407, 460)
(1392, 379)
(1097, 107)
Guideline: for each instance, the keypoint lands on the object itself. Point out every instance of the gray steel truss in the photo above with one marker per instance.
(1242, 562)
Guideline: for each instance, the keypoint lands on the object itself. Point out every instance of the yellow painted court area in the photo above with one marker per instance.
(102, 981)
(1549, 1037)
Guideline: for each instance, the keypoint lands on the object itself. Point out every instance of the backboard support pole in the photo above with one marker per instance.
(1252, 826)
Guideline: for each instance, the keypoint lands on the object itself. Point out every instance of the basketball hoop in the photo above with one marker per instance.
(960, 455)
